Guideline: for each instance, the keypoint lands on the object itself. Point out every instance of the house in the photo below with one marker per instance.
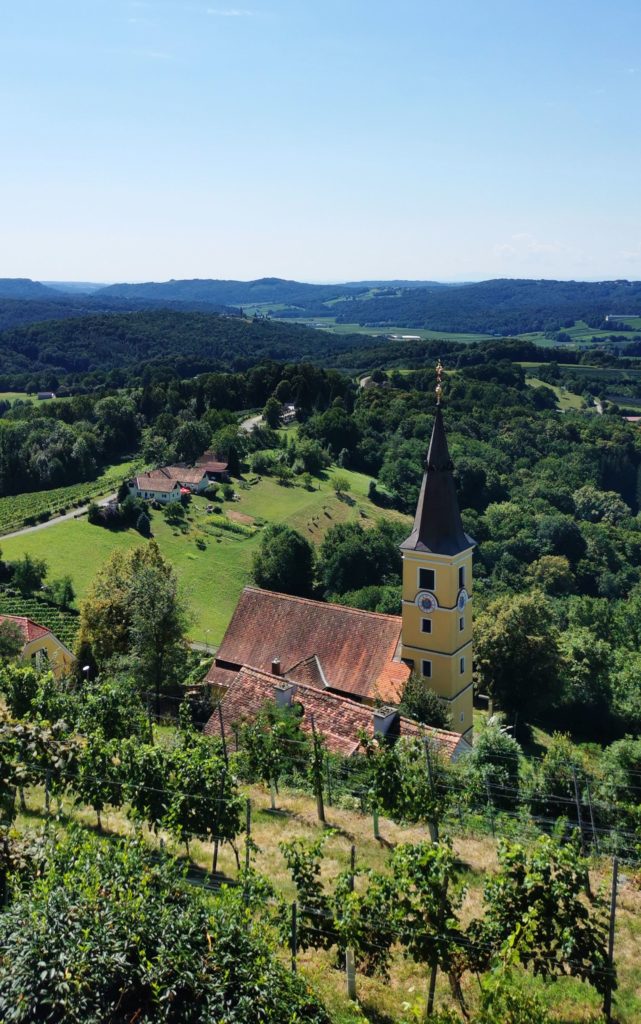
(169, 483)
(288, 413)
(340, 720)
(41, 646)
(156, 485)
(216, 469)
(365, 657)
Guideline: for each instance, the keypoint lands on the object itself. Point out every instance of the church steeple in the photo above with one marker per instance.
(437, 524)
(437, 582)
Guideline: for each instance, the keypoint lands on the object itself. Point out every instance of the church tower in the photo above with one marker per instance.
(436, 636)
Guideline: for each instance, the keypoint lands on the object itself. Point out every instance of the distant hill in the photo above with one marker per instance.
(74, 287)
(23, 288)
(504, 306)
(233, 293)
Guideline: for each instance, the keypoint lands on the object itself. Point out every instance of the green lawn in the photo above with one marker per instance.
(212, 578)
(567, 400)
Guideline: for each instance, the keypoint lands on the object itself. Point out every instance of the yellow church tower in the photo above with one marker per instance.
(436, 637)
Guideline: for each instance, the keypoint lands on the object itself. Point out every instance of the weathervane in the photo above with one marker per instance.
(439, 381)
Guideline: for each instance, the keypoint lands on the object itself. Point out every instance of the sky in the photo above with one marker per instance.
(320, 140)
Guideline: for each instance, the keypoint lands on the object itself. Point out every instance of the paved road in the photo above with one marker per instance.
(77, 512)
(599, 406)
(249, 424)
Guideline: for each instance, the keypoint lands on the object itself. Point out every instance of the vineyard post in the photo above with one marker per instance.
(294, 937)
(489, 803)
(607, 999)
(433, 822)
(595, 837)
(222, 733)
(317, 768)
(350, 963)
(221, 794)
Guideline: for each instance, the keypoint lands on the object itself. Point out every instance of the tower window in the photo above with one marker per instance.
(426, 625)
(427, 669)
(462, 716)
(462, 665)
(461, 577)
(461, 623)
(426, 579)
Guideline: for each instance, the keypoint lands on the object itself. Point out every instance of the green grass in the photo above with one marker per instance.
(566, 400)
(211, 579)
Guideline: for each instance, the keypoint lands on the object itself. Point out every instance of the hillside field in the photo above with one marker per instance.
(211, 578)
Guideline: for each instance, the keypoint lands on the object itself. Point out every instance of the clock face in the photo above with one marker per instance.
(426, 602)
(462, 600)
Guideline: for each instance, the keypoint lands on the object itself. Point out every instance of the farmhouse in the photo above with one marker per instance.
(215, 468)
(169, 483)
(364, 658)
(41, 646)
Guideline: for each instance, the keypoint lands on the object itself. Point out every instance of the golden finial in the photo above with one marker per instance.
(439, 381)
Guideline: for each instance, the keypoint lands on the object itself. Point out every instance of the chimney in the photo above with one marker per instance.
(387, 722)
(283, 692)
(275, 666)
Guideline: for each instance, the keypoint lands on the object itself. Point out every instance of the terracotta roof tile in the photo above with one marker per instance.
(338, 718)
(30, 630)
(357, 650)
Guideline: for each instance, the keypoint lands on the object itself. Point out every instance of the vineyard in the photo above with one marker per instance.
(35, 507)
(64, 624)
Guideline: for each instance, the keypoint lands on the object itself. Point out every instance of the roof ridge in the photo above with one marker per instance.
(325, 604)
(269, 676)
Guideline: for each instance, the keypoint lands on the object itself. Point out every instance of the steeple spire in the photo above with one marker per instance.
(437, 525)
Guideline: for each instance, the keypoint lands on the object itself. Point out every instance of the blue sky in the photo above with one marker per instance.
(320, 139)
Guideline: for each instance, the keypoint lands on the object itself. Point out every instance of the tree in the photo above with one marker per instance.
(352, 558)
(494, 766)
(284, 561)
(517, 654)
(586, 694)
(29, 574)
(112, 706)
(274, 742)
(552, 573)
(143, 525)
(271, 413)
(19, 686)
(133, 607)
(11, 640)
(62, 591)
(193, 959)
(421, 703)
(541, 889)
(203, 799)
(98, 778)
(340, 483)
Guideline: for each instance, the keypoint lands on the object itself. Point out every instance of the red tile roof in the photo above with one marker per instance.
(357, 651)
(30, 630)
(339, 719)
(214, 467)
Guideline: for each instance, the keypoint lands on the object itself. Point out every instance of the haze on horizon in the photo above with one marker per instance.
(156, 139)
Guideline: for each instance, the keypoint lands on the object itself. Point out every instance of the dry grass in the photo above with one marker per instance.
(380, 1001)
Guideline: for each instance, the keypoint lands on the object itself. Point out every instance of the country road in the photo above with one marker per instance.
(77, 512)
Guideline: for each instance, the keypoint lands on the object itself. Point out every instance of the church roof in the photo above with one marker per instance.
(338, 718)
(437, 525)
(345, 649)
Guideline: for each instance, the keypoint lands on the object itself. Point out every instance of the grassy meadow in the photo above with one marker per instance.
(212, 564)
